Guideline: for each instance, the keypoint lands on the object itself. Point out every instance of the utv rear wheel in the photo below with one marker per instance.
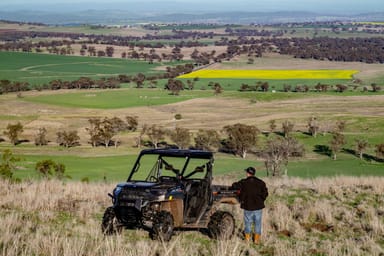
(162, 227)
(221, 225)
(110, 224)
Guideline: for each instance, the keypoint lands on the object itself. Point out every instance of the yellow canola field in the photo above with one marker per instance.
(272, 74)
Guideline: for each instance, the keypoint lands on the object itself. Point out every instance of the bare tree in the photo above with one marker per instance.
(277, 152)
(287, 128)
(313, 126)
(241, 138)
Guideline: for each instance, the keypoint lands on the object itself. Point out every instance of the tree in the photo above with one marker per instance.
(40, 138)
(13, 132)
(7, 165)
(337, 142)
(181, 137)
(277, 153)
(67, 139)
(340, 126)
(287, 128)
(217, 89)
(361, 146)
(109, 50)
(50, 169)
(272, 125)
(155, 134)
(241, 138)
(313, 126)
(207, 140)
(93, 131)
(132, 123)
(379, 150)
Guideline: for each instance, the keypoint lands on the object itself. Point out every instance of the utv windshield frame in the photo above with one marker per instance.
(152, 175)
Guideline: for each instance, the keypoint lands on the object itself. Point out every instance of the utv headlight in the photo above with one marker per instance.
(116, 191)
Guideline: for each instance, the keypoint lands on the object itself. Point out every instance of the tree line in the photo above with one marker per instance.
(252, 41)
(275, 146)
(7, 86)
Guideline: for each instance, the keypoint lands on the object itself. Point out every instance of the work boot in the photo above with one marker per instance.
(256, 238)
(247, 237)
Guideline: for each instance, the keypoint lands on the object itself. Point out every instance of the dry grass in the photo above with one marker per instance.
(324, 216)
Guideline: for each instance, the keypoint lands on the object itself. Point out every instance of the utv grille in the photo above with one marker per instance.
(129, 216)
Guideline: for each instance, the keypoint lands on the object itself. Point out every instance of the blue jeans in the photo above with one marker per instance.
(252, 218)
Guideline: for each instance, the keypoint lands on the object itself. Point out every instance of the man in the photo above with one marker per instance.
(253, 193)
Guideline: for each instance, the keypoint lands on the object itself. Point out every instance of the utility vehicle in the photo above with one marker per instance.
(170, 189)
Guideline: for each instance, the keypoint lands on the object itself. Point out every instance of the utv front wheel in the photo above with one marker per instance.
(110, 224)
(221, 225)
(162, 227)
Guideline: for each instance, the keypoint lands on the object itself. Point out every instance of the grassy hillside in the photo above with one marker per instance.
(323, 216)
(42, 68)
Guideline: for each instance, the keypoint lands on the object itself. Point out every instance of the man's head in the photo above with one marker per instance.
(250, 171)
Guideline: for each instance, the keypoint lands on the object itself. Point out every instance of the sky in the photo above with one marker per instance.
(330, 6)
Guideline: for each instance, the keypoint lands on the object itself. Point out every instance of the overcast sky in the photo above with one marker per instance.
(332, 6)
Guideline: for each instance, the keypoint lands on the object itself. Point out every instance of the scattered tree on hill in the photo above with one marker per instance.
(93, 131)
(109, 50)
(340, 126)
(175, 86)
(181, 137)
(217, 89)
(272, 126)
(132, 123)
(50, 169)
(241, 138)
(337, 142)
(277, 153)
(155, 134)
(13, 131)
(313, 126)
(41, 137)
(379, 150)
(287, 128)
(8, 164)
(139, 138)
(361, 146)
(67, 139)
(375, 87)
(207, 140)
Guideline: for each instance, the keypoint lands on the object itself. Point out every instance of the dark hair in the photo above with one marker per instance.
(251, 170)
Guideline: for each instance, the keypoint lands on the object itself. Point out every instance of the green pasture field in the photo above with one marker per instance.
(117, 168)
(119, 98)
(42, 68)
(133, 97)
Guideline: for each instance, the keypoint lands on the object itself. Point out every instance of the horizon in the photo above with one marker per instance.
(172, 6)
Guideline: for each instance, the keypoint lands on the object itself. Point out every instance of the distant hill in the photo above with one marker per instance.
(122, 17)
